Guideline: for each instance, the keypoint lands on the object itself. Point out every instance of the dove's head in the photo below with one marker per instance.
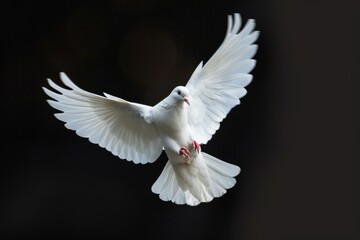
(180, 94)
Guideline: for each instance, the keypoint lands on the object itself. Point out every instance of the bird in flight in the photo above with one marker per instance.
(179, 124)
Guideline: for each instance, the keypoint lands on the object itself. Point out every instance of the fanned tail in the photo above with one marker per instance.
(203, 182)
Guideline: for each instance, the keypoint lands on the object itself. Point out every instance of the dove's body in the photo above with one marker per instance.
(189, 116)
(170, 119)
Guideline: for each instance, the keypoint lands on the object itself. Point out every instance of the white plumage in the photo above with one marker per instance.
(186, 118)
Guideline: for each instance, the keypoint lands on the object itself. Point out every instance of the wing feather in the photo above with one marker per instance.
(121, 127)
(216, 87)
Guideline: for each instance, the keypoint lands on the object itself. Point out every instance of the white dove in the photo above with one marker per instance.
(186, 118)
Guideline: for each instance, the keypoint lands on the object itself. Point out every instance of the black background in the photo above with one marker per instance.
(294, 135)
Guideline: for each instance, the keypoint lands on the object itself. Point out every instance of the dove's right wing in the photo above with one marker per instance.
(122, 127)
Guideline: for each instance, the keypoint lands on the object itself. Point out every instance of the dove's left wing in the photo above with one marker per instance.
(216, 88)
(122, 127)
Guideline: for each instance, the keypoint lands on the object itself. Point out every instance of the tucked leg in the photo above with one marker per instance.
(184, 152)
(196, 146)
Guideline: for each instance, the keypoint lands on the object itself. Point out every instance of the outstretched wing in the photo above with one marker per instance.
(217, 87)
(122, 127)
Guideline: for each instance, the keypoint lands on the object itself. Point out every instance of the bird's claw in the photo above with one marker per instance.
(196, 146)
(184, 152)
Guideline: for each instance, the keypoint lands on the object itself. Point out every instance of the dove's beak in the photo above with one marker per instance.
(186, 99)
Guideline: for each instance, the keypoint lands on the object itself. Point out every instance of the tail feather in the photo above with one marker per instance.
(169, 189)
(222, 173)
(220, 177)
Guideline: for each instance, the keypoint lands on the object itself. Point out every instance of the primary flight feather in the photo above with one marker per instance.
(179, 124)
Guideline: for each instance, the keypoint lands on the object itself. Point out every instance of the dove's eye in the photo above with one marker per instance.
(178, 92)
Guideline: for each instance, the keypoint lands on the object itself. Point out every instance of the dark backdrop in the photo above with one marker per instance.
(294, 135)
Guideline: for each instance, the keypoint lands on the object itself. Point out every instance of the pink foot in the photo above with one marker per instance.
(184, 152)
(196, 146)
